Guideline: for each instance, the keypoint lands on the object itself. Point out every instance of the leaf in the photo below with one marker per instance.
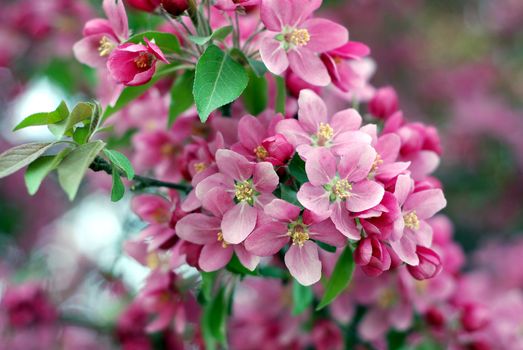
(219, 80)
(18, 157)
(297, 169)
(207, 284)
(288, 195)
(81, 134)
(255, 95)
(302, 297)
(121, 161)
(258, 67)
(40, 168)
(181, 95)
(340, 278)
(235, 266)
(167, 42)
(72, 169)
(118, 189)
(281, 94)
(327, 247)
(60, 113)
(219, 34)
(214, 319)
(131, 93)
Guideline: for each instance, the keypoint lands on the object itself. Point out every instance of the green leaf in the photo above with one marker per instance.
(302, 297)
(81, 134)
(181, 95)
(40, 168)
(167, 42)
(340, 278)
(258, 67)
(18, 157)
(219, 34)
(131, 93)
(118, 189)
(288, 195)
(121, 161)
(235, 266)
(72, 169)
(255, 95)
(219, 80)
(396, 339)
(80, 112)
(297, 169)
(281, 94)
(214, 319)
(207, 284)
(327, 247)
(45, 118)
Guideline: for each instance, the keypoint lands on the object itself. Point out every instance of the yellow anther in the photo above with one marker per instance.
(152, 260)
(299, 37)
(106, 46)
(377, 162)
(411, 220)
(144, 60)
(220, 239)
(324, 134)
(298, 234)
(341, 189)
(261, 152)
(244, 192)
(199, 167)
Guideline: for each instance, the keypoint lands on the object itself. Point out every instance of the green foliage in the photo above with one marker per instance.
(302, 297)
(288, 194)
(219, 35)
(118, 189)
(40, 168)
(281, 94)
(18, 157)
(181, 95)
(167, 42)
(235, 266)
(340, 278)
(214, 320)
(121, 162)
(255, 96)
(219, 80)
(258, 67)
(297, 169)
(45, 118)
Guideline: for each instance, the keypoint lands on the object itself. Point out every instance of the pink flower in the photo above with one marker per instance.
(326, 335)
(288, 226)
(293, 39)
(175, 7)
(144, 5)
(206, 230)
(429, 264)
(372, 256)
(102, 36)
(384, 103)
(316, 128)
(134, 64)
(335, 189)
(231, 5)
(249, 184)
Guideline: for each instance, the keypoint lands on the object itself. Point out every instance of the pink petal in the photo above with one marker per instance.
(425, 203)
(346, 120)
(374, 324)
(250, 132)
(247, 259)
(214, 256)
(364, 195)
(326, 232)
(268, 239)
(276, 14)
(304, 263)
(314, 198)
(404, 186)
(239, 222)
(293, 132)
(405, 248)
(344, 222)
(115, 11)
(388, 147)
(424, 163)
(352, 49)
(265, 179)
(357, 162)
(86, 51)
(191, 202)
(217, 201)
(198, 228)
(311, 111)
(282, 210)
(141, 78)
(320, 166)
(308, 66)
(234, 165)
(325, 35)
(155, 50)
(346, 142)
(274, 56)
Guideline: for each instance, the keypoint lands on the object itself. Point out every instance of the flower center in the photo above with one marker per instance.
(168, 149)
(341, 189)
(387, 298)
(244, 192)
(411, 220)
(377, 162)
(220, 239)
(324, 134)
(261, 152)
(199, 167)
(298, 37)
(298, 233)
(106, 46)
(144, 60)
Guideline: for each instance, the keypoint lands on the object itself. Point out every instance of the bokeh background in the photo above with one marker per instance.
(454, 63)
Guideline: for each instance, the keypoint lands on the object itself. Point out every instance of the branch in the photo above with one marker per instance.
(140, 182)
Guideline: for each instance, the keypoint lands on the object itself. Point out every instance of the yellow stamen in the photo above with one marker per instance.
(244, 192)
(324, 134)
(298, 234)
(220, 239)
(153, 261)
(106, 46)
(299, 37)
(341, 189)
(377, 162)
(261, 152)
(199, 167)
(144, 60)
(411, 220)
(168, 149)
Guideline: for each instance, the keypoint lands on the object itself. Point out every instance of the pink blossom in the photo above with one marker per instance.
(231, 5)
(288, 226)
(102, 36)
(326, 335)
(316, 128)
(249, 184)
(384, 103)
(372, 256)
(175, 7)
(338, 188)
(293, 39)
(134, 64)
(429, 264)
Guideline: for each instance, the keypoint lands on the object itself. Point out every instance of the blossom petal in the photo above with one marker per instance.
(327, 232)
(214, 256)
(320, 166)
(268, 239)
(247, 259)
(356, 162)
(265, 179)
(198, 228)
(314, 198)
(234, 165)
(115, 11)
(404, 186)
(405, 248)
(344, 222)
(293, 132)
(425, 203)
(274, 56)
(282, 210)
(346, 120)
(325, 35)
(311, 111)
(304, 263)
(308, 66)
(250, 132)
(364, 195)
(239, 222)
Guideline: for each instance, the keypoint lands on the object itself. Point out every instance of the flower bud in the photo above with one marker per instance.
(384, 103)
(326, 335)
(175, 7)
(434, 317)
(474, 317)
(429, 264)
(278, 148)
(144, 5)
(372, 256)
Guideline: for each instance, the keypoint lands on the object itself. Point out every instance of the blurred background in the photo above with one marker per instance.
(454, 63)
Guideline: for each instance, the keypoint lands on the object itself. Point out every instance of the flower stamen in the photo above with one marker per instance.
(244, 192)
(298, 234)
(220, 239)
(106, 46)
(299, 37)
(261, 152)
(411, 220)
(324, 134)
(341, 189)
(144, 60)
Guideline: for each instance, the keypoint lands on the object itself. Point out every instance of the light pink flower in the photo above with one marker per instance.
(288, 226)
(134, 64)
(293, 39)
(102, 36)
(316, 128)
(338, 188)
(249, 184)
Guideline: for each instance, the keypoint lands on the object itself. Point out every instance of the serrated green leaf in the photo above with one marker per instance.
(18, 157)
(40, 168)
(219, 80)
(340, 278)
(255, 96)
(72, 169)
(219, 34)
(302, 297)
(167, 42)
(297, 169)
(118, 189)
(121, 161)
(60, 113)
(181, 96)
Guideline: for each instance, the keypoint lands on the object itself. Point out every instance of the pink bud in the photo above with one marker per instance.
(429, 264)
(372, 256)
(278, 148)
(175, 7)
(326, 335)
(144, 5)
(434, 317)
(474, 317)
(384, 103)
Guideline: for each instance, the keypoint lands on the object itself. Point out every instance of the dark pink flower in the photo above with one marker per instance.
(175, 7)
(372, 256)
(326, 335)
(144, 5)
(384, 103)
(429, 264)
